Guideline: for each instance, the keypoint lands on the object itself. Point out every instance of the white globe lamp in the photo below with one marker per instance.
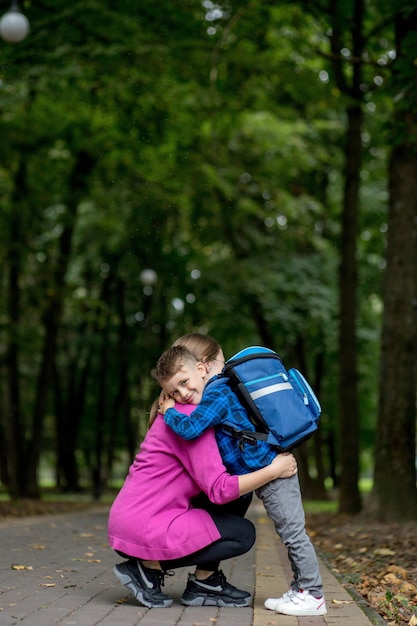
(148, 277)
(14, 26)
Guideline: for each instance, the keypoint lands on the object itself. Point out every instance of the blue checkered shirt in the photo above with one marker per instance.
(220, 405)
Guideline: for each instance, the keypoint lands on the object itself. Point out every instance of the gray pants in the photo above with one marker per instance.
(283, 504)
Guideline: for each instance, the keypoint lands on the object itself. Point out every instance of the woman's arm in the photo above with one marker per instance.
(283, 466)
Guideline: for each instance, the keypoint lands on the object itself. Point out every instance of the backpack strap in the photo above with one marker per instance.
(244, 436)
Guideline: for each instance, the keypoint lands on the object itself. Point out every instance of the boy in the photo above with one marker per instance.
(282, 497)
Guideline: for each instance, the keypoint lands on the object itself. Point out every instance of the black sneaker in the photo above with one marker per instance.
(144, 583)
(214, 591)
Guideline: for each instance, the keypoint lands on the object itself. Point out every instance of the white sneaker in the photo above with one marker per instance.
(298, 603)
(271, 602)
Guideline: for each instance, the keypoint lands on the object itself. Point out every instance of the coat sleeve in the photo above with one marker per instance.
(202, 460)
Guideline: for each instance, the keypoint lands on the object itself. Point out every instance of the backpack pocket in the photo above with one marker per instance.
(303, 388)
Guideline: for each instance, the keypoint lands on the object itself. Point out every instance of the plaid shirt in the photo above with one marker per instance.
(220, 405)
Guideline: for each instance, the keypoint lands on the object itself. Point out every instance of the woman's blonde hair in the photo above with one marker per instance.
(203, 347)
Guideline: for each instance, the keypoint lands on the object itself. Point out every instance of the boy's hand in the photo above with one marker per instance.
(166, 404)
(285, 465)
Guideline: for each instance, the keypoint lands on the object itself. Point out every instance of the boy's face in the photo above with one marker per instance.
(187, 385)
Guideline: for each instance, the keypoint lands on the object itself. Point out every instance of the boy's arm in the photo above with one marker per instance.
(206, 415)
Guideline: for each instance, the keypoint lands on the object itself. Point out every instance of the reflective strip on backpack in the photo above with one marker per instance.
(271, 389)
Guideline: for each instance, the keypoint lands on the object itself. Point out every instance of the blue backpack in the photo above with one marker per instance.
(281, 404)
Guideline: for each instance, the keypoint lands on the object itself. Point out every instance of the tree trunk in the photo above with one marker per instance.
(69, 402)
(14, 423)
(395, 495)
(98, 467)
(320, 489)
(350, 86)
(350, 501)
(395, 474)
(121, 407)
(313, 487)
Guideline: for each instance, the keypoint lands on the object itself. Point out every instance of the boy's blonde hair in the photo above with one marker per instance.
(171, 361)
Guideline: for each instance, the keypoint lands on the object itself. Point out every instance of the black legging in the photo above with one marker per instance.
(237, 537)
(235, 507)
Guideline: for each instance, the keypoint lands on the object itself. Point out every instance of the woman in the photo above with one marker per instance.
(155, 524)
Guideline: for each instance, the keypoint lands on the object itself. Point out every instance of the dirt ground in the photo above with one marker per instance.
(379, 561)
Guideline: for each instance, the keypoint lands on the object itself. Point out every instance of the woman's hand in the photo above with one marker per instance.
(285, 465)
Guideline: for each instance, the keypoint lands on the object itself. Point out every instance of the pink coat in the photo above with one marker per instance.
(152, 516)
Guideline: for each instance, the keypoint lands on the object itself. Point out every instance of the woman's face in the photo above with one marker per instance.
(216, 365)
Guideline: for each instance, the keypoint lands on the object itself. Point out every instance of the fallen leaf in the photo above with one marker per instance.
(391, 579)
(37, 546)
(413, 621)
(47, 584)
(384, 552)
(65, 570)
(400, 571)
(20, 567)
(342, 601)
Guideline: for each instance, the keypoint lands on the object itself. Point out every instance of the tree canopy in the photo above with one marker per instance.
(240, 151)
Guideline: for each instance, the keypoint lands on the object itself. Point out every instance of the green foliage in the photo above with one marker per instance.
(216, 152)
(397, 607)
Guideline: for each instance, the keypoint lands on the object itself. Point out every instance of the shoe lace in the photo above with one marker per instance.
(222, 577)
(161, 576)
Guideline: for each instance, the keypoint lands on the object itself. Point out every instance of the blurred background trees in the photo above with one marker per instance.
(171, 167)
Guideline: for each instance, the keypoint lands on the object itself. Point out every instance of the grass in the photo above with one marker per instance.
(320, 506)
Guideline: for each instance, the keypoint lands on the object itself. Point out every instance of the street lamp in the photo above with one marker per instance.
(148, 278)
(14, 26)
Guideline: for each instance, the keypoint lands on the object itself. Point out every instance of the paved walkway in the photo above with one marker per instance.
(58, 570)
